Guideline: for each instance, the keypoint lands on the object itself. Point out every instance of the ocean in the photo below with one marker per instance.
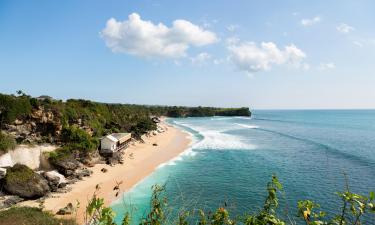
(312, 152)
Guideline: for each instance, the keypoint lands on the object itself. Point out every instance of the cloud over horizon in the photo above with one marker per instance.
(251, 57)
(146, 39)
(344, 28)
(310, 22)
(326, 66)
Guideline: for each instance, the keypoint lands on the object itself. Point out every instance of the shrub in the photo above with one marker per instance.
(59, 154)
(7, 142)
(142, 127)
(350, 213)
(78, 138)
(12, 107)
(30, 216)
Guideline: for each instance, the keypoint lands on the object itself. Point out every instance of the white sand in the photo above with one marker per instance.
(140, 161)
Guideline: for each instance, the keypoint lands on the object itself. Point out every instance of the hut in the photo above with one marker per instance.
(114, 142)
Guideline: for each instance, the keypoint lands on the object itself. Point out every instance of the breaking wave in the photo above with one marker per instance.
(217, 139)
(247, 126)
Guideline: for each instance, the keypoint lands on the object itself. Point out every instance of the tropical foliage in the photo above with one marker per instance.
(354, 208)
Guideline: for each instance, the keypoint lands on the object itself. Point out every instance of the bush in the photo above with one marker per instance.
(142, 127)
(79, 139)
(7, 142)
(12, 107)
(59, 154)
(30, 216)
(354, 207)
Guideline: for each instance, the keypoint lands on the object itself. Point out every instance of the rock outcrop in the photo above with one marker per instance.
(22, 181)
(3, 172)
(40, 126)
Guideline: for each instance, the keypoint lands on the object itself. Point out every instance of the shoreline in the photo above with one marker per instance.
(140, 160)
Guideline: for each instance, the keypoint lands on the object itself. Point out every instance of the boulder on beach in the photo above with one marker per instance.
(22, 181)
(9, 200)
(67, 210)
(66, 166)
(55, 179)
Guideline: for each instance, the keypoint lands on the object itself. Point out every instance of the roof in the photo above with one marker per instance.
(110, 137)
(119, 137)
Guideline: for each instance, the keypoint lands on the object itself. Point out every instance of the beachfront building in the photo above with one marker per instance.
(114, 142)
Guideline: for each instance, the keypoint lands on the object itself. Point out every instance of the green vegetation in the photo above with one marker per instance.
(30, 216)
(7, 142)
(14, 107)
(19, 174)
(352, 211)
(203, 111)
(79, 139)
(60, 154)
(77, 117)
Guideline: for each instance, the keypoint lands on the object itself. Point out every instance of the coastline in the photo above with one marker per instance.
(140, 160)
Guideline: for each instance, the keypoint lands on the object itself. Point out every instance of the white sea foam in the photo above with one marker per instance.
(188, 153)
(247, 126)
(219, 140)
(243, 117)
(220, 118)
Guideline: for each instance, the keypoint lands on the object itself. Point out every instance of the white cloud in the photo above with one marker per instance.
(364, 42)
(232, 27)
(358, 43)
(250, 57)
(344, 28)
(310, 22)
(219, 61)
(201, 58)
(326, 66)
(146, 39)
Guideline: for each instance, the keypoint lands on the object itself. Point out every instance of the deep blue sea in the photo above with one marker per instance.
(232, 159)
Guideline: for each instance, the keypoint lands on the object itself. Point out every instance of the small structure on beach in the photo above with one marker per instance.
(114, 142)
(155, 119)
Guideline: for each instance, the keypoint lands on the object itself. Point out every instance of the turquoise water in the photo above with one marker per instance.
(232, 159)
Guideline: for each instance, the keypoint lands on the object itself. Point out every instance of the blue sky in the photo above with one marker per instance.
(261, 54)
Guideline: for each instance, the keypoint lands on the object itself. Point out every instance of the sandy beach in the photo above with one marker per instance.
(141, 159)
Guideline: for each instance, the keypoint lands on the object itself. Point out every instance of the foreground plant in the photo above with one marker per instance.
(354, 208)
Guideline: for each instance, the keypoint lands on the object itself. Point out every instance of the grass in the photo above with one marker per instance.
(30, 216)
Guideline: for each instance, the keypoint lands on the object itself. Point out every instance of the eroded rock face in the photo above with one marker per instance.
(22, 181)
(3, 172)
(41, 126)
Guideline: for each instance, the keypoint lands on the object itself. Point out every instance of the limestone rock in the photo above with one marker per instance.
(55, 179)
(67, 166)
(22, 181)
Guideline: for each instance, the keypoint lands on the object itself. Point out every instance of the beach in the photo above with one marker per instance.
(140, 160)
